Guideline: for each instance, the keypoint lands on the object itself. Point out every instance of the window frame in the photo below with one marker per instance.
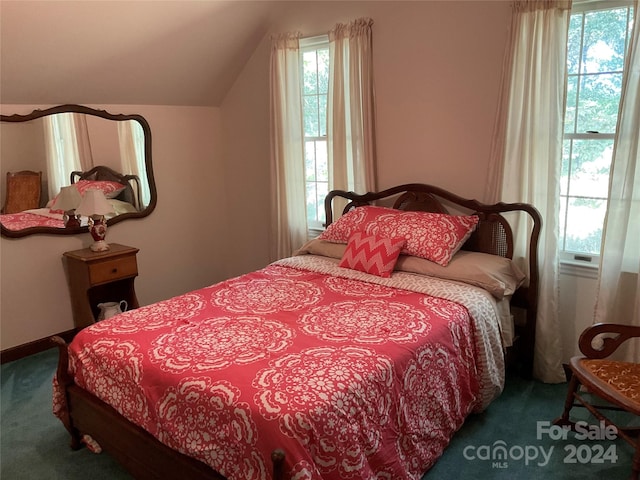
(572, 261)
(320, 42)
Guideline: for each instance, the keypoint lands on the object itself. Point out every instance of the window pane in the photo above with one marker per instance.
(323, 71)
(604, 41)
(310, 161)
(585, 218)
(309, 73)
(572, 100)
(312, 206)
(598, 102)
(574, 42)
(323, 190)
(311, 127)
(322, 161)
(566, 163)
(322, 111)
(590, 163)
(563, 217)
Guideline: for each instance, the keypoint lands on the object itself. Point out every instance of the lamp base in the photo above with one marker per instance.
(99, 246)
(98, 230)
(70, 219)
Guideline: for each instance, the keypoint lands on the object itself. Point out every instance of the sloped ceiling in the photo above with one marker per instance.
(127, 52)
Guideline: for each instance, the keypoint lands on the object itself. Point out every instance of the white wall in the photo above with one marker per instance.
(182, 243)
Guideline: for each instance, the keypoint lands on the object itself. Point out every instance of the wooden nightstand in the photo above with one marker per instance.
(97, 277)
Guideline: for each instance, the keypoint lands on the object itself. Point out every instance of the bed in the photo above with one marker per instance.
(122, 191)
(330, 364)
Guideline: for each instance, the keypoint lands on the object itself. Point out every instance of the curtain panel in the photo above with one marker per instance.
(132, 157)
(618, 295)
(351, 108)
(526, 155)
(67, 148)
(289, 219)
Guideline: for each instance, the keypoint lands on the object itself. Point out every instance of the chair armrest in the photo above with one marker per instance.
(621, 333)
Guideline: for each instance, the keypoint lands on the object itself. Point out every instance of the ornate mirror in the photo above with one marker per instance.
(46, 151)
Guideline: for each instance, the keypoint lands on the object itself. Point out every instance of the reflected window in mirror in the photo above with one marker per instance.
(83, 147)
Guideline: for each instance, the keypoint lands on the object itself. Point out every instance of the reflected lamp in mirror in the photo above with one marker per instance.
(95, 206)
(68, 200)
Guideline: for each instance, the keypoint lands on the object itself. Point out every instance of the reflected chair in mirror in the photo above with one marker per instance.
(23, 191)
(613, 384)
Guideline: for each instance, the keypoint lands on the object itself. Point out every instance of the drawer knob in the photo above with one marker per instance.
(115, 270)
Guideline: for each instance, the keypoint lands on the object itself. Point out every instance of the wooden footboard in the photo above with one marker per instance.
(135, 449)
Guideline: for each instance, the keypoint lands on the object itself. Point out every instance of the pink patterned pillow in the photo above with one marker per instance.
(372, 254)
(110, 189)
(434, 236)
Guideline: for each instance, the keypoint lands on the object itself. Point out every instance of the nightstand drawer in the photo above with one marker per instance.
(101, 272)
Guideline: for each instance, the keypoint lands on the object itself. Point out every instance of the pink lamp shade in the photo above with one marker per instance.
(95, 206)
(68, 200)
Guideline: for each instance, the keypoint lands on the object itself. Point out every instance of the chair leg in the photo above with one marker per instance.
(568, 402)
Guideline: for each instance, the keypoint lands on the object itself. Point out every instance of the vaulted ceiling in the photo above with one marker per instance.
(127, 52)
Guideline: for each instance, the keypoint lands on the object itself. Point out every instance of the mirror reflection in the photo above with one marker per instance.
(47, 151)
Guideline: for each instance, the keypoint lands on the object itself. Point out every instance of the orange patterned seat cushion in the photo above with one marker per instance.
(624, 377)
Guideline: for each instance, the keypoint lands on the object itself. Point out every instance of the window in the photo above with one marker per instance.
(599, 34)
(315, 90)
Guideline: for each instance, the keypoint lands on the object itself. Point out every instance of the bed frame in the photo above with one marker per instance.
(146, 458)
(130, 194)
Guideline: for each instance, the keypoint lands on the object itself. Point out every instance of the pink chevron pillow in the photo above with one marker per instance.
(372, 254)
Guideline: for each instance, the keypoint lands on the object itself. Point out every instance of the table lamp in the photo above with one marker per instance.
(95, 206)
(68, 200)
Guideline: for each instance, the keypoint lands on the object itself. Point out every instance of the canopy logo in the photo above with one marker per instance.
(499, 453)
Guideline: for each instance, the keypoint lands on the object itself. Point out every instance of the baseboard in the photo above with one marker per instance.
(26, 349)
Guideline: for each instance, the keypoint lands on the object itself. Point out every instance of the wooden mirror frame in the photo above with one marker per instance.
(108, 116)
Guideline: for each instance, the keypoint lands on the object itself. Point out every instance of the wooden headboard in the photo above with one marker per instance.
(130, 194)
(493, 235)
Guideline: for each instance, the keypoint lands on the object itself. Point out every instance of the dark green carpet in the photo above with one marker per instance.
(35, 445)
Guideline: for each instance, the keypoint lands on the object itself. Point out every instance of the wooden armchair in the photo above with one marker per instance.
(23, 191)
(616, 382)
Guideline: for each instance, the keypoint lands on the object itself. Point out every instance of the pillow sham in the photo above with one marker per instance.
(434, 236)
(119, 207)
(372, 254)
(110, 189)
(498, 275)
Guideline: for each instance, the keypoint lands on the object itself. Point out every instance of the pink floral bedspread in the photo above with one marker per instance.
(22, 220)
(353, 380)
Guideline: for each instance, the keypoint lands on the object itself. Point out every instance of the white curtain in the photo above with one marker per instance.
(132, 157)
(350, 108)
(83, 142)
(67, 148)
(289, 217)
(527, 152)
(350, 127)
(618, 298)
(61, 151)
